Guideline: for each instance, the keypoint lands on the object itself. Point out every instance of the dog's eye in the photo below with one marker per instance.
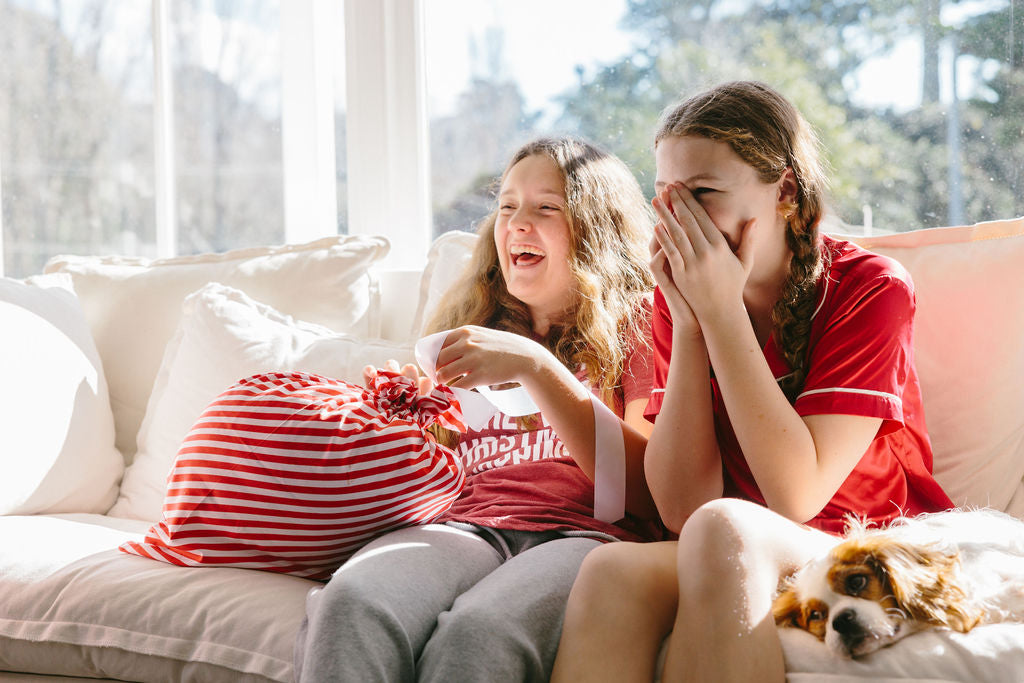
(815, 615)
(855, 583)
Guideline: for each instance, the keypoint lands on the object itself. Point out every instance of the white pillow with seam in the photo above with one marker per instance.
(58, 452)
(224, 336)
(133, 304)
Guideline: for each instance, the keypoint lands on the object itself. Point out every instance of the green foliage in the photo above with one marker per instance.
(896, 163)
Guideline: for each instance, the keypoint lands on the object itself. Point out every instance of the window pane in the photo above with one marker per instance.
(226, 60)
(908, 150)
(495, 74)
(76, 150)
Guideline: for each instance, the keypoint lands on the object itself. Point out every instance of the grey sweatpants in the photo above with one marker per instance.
(442, 604)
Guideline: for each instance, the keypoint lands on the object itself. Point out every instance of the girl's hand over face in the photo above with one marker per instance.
(704, 269)
(475, 356)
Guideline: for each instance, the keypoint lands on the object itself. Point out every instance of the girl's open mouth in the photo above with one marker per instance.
(525, 255)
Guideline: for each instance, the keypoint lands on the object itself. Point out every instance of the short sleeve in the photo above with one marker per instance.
(861, 362)
(661, 349)
(637, 375)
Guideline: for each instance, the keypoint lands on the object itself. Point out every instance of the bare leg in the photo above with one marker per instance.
(732, 554)
(620, 609)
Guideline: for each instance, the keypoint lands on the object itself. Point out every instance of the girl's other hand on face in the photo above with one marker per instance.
(476, 356)
(423, 383)
(708, 274)
(661, 264)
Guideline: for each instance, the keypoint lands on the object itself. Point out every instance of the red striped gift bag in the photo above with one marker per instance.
(293, 472)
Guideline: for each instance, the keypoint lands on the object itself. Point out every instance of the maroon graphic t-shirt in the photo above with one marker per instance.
(522, 477)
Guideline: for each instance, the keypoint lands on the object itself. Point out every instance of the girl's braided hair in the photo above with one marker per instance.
(770, 135)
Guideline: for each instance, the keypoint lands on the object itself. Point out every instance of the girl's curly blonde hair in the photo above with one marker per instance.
(770, 135)
(609, 230)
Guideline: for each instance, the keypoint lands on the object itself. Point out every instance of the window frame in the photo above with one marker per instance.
(386, 126)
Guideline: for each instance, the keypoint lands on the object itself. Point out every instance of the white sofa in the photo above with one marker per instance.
(107, 361)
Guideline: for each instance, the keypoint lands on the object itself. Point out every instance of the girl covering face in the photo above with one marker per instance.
(785, 396)
(557, 298)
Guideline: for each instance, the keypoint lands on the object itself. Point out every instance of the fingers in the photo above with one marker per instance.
(668, 232)
(693, 218)
(410, 370)
(660, 269)
(453, 374)
(673, 261)
(655, 244)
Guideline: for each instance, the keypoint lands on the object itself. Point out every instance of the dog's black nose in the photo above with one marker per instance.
(845, 623)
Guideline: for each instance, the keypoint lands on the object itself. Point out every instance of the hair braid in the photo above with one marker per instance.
(792, 313)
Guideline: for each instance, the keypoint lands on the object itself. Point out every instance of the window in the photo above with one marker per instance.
(164, 128)
(920, 106)
(76, 130)
(177, 126)
(225, 60)
(496, 74)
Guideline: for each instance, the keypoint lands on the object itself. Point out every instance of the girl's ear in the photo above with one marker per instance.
(788, 187)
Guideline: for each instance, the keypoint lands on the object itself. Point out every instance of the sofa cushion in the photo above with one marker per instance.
(224, 335)
(292, 472)
(77, 606)
(449, 256)
(969, 330)
(133, 304)
(58, 450)
(993, 652)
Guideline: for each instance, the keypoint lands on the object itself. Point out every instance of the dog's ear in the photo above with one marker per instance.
(786, 607)
(924, 581)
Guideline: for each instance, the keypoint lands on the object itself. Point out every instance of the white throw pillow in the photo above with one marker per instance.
(58, 452)
(222, 337)
(448, 258)
(133, 304)
(969, 333)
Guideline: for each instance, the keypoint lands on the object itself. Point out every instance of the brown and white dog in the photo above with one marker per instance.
(954, 569)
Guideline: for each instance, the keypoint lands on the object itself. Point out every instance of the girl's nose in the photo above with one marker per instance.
(520, 220)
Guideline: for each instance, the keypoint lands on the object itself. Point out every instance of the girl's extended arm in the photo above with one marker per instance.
(474, 356)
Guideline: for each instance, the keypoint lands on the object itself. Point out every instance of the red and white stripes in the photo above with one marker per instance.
(292, 472)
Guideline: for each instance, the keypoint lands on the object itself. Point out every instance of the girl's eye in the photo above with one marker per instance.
(856, 583)
(697, 192)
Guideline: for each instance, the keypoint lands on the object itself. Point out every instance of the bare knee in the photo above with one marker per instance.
(626, 582)
(721, 540)
(603, 568)
(615, 570)
(736, 543)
